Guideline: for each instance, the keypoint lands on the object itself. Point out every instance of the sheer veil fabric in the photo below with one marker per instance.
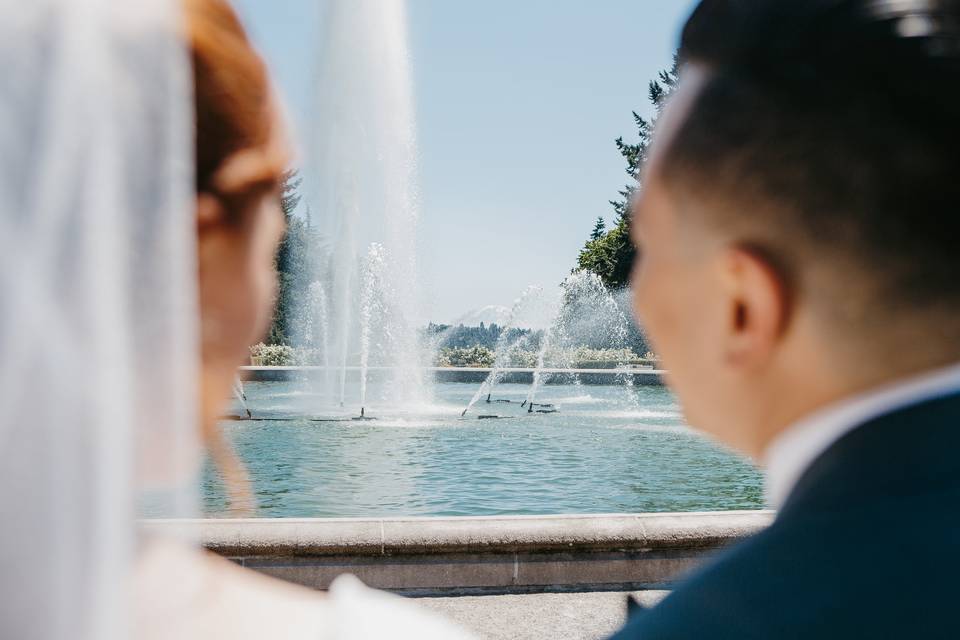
(98, 343)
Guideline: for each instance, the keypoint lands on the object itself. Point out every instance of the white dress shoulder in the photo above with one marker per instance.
(184, 594)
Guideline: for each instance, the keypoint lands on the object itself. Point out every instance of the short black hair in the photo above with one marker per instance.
(845, 115)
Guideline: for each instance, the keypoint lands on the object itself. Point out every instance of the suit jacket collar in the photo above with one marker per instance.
(906, 452)
(796, 448)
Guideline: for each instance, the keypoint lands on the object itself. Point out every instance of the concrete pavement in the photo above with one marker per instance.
(553, 616)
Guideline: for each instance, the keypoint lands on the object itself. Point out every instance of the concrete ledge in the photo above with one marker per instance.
(478, 555)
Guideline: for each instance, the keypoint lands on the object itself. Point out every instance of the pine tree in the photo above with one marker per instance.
(611, 255)
(599, 229)
(291, 262)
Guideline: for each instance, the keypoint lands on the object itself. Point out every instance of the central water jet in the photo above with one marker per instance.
(360, 186)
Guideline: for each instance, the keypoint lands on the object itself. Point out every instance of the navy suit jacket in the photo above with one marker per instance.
(866, 546)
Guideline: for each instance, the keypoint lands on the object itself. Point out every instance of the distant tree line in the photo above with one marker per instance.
(265, 355)
(488, 336)
(573, 358)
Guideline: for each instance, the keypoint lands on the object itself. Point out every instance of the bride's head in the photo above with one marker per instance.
(241, 157)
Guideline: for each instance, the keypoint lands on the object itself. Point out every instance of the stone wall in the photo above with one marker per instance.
(447, 556)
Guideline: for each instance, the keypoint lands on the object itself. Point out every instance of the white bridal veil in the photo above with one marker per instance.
(97, 319)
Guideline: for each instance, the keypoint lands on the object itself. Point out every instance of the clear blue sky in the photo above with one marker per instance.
(518, 104)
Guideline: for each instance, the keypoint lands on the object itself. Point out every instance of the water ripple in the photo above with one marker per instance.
(610, 450)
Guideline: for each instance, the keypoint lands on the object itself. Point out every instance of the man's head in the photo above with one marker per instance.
(798, 227)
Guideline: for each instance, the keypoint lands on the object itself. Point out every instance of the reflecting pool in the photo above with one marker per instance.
(607, 449)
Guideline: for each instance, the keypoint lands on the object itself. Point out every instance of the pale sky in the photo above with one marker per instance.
(518, 104)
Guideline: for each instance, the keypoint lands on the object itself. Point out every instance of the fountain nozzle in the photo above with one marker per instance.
(488, 397)
(464, 413)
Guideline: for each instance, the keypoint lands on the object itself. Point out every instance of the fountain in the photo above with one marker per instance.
(372, 309)
(585, 313)
(588, 314)
(358, 315)
(241, 396)
(360, 319)
(314, 331)
(550, 336)
(506, 344)
(359, 182)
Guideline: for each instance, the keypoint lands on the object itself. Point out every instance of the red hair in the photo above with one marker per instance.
(234, 103)
(239, 154)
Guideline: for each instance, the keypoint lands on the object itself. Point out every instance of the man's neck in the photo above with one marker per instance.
(821, 385)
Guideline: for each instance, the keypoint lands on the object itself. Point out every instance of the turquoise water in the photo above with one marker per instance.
(609, 449)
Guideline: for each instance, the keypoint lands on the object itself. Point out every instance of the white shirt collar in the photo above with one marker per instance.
(793, 451)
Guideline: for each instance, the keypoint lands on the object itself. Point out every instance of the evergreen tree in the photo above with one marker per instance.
(599, 229)
(461, 337)
(290, 197)
(292, 263)
(610, 255)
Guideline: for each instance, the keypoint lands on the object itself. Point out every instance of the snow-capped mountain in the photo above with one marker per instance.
(490, 314)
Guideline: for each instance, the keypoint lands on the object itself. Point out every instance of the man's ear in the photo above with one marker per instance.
(759, 307)
(210, 213)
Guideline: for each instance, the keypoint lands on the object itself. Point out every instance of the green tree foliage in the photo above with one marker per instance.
(294, 263)
(599, 229)
(477, 356)
(610, 254)
(480, 356)
(461, 337)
